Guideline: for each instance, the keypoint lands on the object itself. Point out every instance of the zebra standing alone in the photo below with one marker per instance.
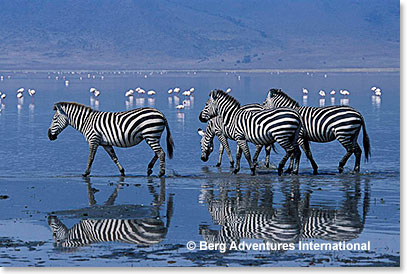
(145, 232)
(215, 127)
(108, 129)
(325, 124)
(261, 128)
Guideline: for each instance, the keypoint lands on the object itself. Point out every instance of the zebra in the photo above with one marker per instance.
(325, 124)
(141, 231)
(144, 232)
(242, 214)
(214, 127)
(108, 129)
(262, 127)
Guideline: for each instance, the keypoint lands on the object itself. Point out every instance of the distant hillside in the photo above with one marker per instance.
(198, 34)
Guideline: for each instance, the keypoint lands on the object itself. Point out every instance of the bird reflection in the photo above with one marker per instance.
(181, 117)
(322, 102)
(151, 102)
(376, 101)
(344, 101)
(248, 210)
(129, 102)
(332, 100)
(305, 100)
(140, 101)
(102, 224)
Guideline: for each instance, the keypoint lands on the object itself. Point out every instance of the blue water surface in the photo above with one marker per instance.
(196, 201)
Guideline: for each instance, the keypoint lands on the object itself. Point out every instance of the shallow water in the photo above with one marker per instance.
(196, 201)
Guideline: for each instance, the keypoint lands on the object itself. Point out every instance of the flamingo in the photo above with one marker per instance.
(186, 93)
(305, 91)
(333, 92)
(31, 92)
(3, 96)
(151, 92)
(96, 93)
(177, 90)
(92, 90)
(20, 90)
(170, 91)
(192, 90)
(344, 92)
(19, 95)
(228, 90)
(322, 93)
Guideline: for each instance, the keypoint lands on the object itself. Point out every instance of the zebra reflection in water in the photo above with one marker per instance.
(251, 214)
(141, 231)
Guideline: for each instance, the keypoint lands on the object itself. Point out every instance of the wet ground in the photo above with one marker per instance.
(196, 201)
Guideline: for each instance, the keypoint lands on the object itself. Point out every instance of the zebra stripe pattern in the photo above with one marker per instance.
(326, 124)
(145, 232)
(215, 127)
(262, 127)
(108, 129)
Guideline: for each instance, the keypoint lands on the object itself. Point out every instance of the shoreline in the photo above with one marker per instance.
(299, 70)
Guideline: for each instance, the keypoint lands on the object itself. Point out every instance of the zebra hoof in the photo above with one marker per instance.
(232, 164)
(218, 164)
(315, 172)
(149, 172)
(235, 171)
(86, 174)
(280, 171)
(289, 170)
(253, 171)
(340, 169)
(161, 174)
(267, 165)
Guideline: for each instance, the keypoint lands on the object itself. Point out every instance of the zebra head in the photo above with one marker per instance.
(59, 122)
(59, 230)
(276, 98)
(206, 143)
(211, 109)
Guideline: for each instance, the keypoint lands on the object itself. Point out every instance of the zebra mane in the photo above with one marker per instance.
(220, 93)
(279, 93)
(65, 104)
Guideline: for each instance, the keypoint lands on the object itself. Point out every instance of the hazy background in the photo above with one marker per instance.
(185, 34)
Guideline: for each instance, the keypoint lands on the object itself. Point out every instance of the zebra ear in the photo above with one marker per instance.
(59, 108)
(214, 94)
(201, 132)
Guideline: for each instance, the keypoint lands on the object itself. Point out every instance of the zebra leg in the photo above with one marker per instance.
(220, 155)
(358, 154)
(151, 165)
(297, 155)
(283, 161)
(291, 165)
(92, 152)
(112, 154)
(224, 142)
(256, 154)
(345, 158)
(243, 146)
(268, 150)
(238, 156)
(348, 142)
(159, 154)
(306, 148)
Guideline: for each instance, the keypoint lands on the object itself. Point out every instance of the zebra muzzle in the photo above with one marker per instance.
(202, 119)
(51, 136)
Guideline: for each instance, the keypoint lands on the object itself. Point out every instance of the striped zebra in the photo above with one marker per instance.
(108, 129)
(144, 232)
(326, 124)
(262, 127)
(215, 127)
(242, 214)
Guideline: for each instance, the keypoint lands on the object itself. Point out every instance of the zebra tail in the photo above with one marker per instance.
(366, 141)
(170, 142)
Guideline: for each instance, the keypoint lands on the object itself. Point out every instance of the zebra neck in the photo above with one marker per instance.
(78, 117)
